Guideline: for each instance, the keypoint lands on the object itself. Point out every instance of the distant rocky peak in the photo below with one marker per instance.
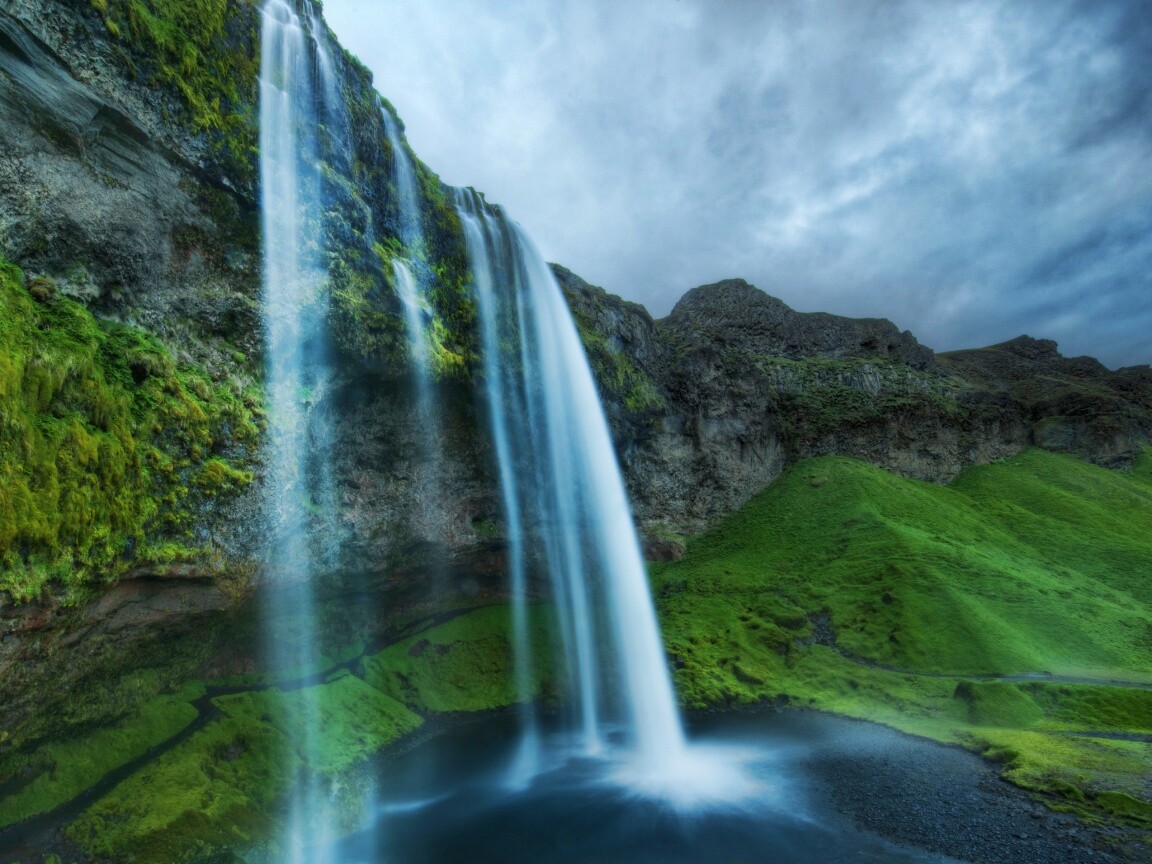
(1031, 349)
(750, 320)
(1045, 353)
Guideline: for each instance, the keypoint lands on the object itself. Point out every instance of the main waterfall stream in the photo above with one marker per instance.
(566, 509)
(568, 512)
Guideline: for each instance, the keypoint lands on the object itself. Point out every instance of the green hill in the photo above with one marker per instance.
(1005, 611)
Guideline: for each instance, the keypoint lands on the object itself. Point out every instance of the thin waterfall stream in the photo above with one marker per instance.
(299, 488)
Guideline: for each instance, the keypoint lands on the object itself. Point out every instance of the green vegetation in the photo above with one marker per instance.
(616, 375)
(819, 396)
(111, 452)
(225, 784)
(218, 787)
(65, 769)
(459, 666)
(367, 317)
(845, 588)
(208, 52)
(453, 333)
(841, 588)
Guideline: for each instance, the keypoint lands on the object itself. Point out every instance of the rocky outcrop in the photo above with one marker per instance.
(121, 207)
(734, 312)
(1073, 405)
(740, 386)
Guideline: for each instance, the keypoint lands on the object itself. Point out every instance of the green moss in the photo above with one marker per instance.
(109, 449)
(1120, 804)
(226, 784)
(1087, 707)
(463, 665)
(217, 789)
(362, 322)
(351, 720)
(848, 589)
(64, 769)
(207, 52)
(616, 375)
(817, 396)
(453, 336)
(367, 317)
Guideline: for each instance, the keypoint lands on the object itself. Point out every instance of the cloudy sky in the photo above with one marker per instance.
(971, 169)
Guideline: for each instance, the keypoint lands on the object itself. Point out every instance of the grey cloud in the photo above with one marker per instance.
(972, 170)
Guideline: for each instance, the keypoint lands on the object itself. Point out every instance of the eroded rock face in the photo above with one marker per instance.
(743, 386)
(113, 203)
(1071, 404)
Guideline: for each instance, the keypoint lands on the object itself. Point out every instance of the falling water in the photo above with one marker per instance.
(410, 232)
(490, 261)
(298, 481)
(410, 275)
(563, 482)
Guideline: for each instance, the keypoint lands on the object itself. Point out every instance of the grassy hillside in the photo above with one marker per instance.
(849, 589)
(1009, 612)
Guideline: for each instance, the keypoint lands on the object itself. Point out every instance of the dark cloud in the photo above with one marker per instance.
(972, 170)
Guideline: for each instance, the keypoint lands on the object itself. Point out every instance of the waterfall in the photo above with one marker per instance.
(411, 236)
(562, 484)
(410, 276)
(490, 260)
(298, 480)
(563, 494)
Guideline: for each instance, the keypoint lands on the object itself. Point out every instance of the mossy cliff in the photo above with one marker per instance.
(129, 129)
(131, 361)
(115, 456)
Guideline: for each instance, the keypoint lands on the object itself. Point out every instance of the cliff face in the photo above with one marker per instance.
(736, 386)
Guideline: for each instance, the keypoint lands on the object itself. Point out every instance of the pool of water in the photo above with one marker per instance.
(449, 802)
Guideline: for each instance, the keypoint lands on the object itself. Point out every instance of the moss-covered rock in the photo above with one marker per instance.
(365, 238)
(208, 54)
(225, 785)
(112, 454)
(462, 665)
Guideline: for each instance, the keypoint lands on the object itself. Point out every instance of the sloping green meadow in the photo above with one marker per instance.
(1005, 612)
